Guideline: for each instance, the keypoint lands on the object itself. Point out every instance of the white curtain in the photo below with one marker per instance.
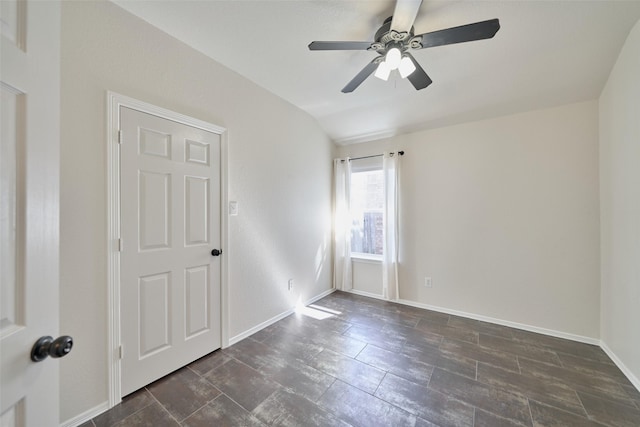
(342, 279)
(391, 169)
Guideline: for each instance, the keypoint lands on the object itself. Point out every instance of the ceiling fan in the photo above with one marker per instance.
(396, 38)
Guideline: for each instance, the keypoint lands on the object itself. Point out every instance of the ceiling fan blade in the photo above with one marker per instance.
(361, 76)
(419, 78)
(339, 45)
(405, 14)
(464, 33)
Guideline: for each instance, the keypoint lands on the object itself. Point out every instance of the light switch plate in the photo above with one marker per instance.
(233, 208)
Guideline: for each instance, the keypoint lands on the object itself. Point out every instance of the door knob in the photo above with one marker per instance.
(216, 252)
(47, 346)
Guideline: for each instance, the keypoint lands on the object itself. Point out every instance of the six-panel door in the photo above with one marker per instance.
(170, 222)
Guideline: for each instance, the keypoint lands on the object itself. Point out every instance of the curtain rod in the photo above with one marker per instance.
(400, 153)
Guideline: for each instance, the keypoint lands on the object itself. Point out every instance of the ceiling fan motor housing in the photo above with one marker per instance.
(386, 38)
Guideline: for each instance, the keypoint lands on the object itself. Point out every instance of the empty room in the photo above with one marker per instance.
(409, 213)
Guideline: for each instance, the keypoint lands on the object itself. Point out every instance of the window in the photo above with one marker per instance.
(367, 203)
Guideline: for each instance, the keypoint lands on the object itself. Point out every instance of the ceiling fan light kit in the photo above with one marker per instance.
(393, 45)
(383, 71)
(393, 58)
(406, 67)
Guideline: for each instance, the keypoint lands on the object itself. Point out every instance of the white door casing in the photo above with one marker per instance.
(29, 209)
(170, 289)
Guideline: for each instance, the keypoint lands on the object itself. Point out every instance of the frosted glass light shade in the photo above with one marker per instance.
(383, 71)
(393, 58)
(406, 67)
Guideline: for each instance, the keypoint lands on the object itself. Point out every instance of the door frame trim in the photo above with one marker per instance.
(114, 102)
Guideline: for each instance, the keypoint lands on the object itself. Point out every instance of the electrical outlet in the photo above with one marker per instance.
(427, 282)
(290, 285)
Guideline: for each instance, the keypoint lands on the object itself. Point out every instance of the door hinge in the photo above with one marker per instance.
(119, 137)
(121, 352)
(120, 245)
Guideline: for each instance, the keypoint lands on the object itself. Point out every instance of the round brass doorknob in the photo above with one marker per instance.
(46, 346)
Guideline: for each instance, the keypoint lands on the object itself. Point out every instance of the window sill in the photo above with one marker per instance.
(370, 258)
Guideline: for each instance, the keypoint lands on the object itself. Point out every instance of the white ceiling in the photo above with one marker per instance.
(546, 53)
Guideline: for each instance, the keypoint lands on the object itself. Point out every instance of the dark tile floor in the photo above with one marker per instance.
(374, 363)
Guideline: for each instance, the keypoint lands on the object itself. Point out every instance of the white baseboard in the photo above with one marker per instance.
(366, 294)
(274, 319)
(530, 328)
(320, 296)
(626, 371)
(259, 327)
(86, 415)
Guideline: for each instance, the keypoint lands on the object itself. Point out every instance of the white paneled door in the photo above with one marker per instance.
(170, 222)
(29, 209)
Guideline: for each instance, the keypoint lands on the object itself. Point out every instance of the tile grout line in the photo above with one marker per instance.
(530, 412)
(378, 386)
(327, 389)
(196, 411)
(165, 409)
(581, 404)
(559, 359)
(408, 411)
(518, 363)
(524, 393)
(191, 369)
(248, 411)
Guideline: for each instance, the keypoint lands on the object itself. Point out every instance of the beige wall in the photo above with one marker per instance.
(367, 277)
(503, 215)
(279, 172)
(620, 208)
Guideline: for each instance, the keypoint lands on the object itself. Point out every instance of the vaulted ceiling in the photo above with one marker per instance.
(546, 53)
